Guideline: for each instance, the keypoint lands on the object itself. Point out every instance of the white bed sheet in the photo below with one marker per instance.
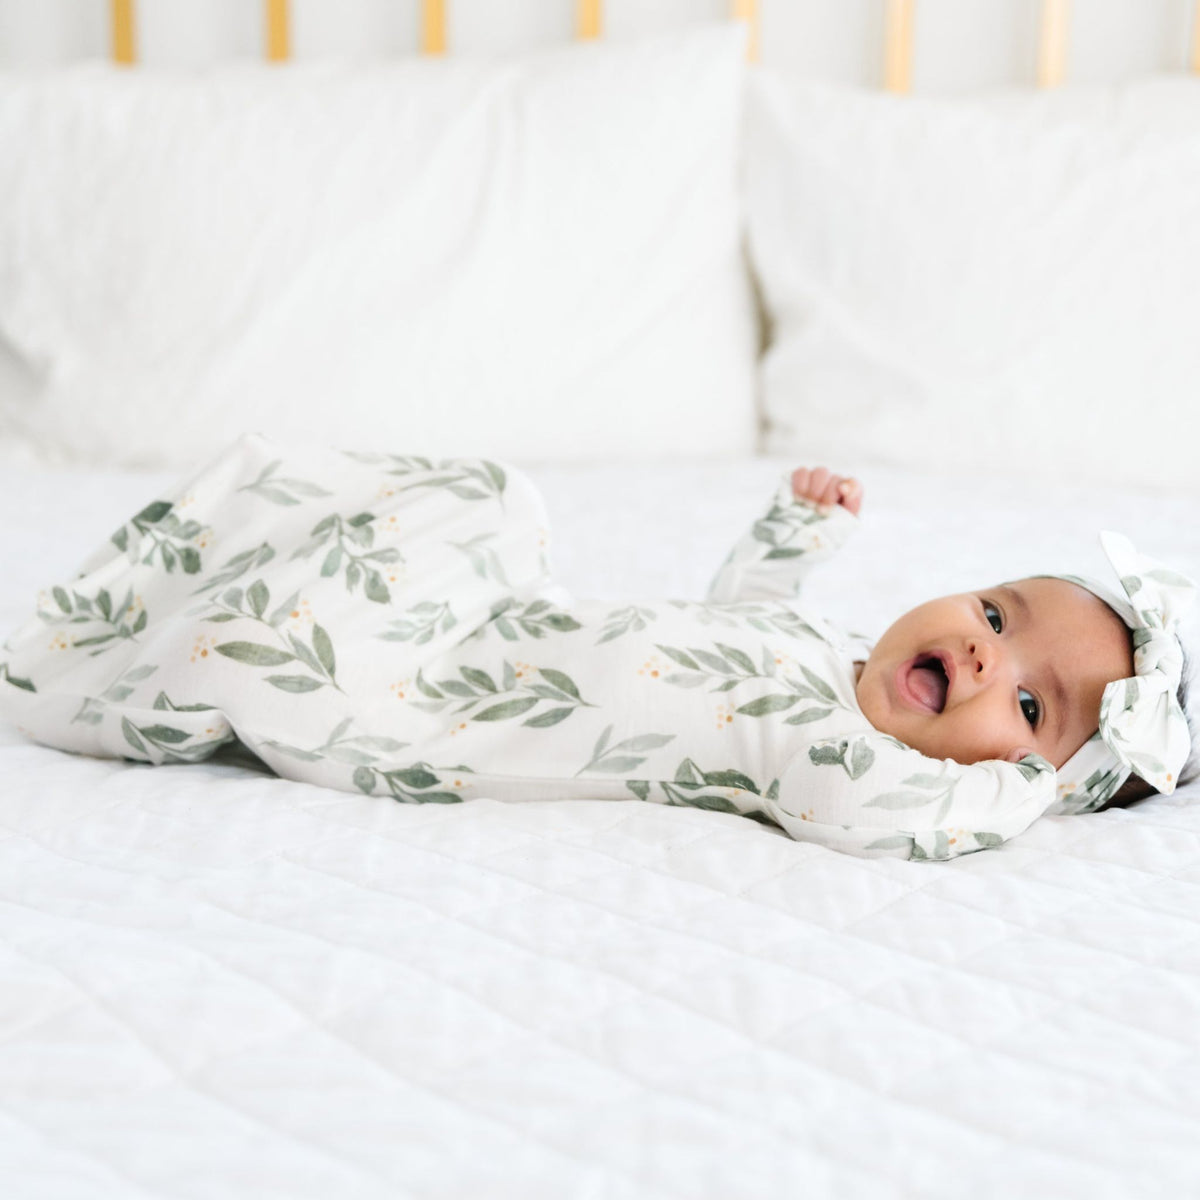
(216, 983)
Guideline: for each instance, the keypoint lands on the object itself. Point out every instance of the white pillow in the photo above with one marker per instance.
(1008, 284)
(534, 258)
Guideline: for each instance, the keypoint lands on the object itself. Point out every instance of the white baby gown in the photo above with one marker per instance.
(388, 624)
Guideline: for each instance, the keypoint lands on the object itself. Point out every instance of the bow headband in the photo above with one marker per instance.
(1143, 730)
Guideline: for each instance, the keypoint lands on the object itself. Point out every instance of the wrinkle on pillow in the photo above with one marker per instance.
(530, 258)
(996, 284)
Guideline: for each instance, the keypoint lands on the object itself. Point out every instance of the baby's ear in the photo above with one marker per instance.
(1015, 756)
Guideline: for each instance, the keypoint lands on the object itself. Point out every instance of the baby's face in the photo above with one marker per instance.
(997, 673)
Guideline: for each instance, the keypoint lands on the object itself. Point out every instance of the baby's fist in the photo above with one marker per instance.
(821, 487)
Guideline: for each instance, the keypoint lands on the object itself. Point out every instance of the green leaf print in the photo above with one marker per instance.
(258, 597)
(154, 512)
(854, 756)
(759, 615)
(785, 524)
(466, 478)
(158, 531)
(164, 703)
(719, 790)
(25, 685)
(1031, 770)
(731, 667)
(531, 687)
(737, 657)
(421, 623)
(324, 650)
(348, 536)
(480, 679)
(730, 779)
(254, 654)
(562, 681)
(506, 710)
(295, 683)
(768, 704)
(681, 657)
(283, 491)
(607, 758)
(164, 734)
(537, 619)
(818, 684)
(862, 757)
(895, 841)
(169, 744)
(237, 566)
(483, 559)
(91, 712)
(252, 605)
(937, 788)
(550, 717)
(373, 768)
(119, 622)
(620, 621)
(809, 714)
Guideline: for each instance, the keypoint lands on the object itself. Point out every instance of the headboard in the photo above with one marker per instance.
(1038, 33)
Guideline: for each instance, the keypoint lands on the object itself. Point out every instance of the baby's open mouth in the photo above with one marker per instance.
(926, 682)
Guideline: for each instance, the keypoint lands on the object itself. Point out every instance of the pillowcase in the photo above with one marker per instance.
(1005, 284)
(533, 258)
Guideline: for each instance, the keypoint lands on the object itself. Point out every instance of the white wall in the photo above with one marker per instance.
(960, 44)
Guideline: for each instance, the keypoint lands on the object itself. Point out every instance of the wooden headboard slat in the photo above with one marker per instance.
(124, 41)
(1052, 43)
(433, 26)
(590, 20)
(747, 10)
(1053, 34)
(279, 41)
(898, 45)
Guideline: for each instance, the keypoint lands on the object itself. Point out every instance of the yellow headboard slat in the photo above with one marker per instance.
(1196, 39)
(279, 41)
(1052, 43)
(433, 26)
(591, 19)
(898, 45)
(747, 10)
(124, 41)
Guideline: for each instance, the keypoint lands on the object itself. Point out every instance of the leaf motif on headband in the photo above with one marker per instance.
(1170, 578)
(1143, 729)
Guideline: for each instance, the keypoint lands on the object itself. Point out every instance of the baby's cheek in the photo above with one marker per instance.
(965, 737)
(979, 738)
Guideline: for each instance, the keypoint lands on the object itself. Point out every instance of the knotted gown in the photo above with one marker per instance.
(387, 624)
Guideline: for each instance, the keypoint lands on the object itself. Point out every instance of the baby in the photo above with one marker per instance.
(1031, 683)
(387, 624)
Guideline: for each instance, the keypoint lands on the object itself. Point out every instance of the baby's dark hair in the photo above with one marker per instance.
(1135, 787)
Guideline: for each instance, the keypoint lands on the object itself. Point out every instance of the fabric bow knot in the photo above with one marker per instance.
(1143, 729)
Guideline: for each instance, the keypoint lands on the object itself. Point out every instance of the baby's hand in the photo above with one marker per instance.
(824, 489)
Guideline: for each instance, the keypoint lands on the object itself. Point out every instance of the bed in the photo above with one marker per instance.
(214, 982)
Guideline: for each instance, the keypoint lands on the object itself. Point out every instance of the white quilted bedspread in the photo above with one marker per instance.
(214, 983)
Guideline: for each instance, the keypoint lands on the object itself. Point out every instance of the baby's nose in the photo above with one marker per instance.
(982, 659)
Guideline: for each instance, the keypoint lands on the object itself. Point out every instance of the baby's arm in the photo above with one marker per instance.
(869, 794)
(813, 513)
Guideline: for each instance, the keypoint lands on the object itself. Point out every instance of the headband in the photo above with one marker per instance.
(1143, 730)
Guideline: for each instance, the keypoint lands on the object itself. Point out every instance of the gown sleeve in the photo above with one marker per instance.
(772, 558)
(869, 794)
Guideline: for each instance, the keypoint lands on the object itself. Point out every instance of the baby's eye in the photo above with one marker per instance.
(993, 616)
(1029, 706)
